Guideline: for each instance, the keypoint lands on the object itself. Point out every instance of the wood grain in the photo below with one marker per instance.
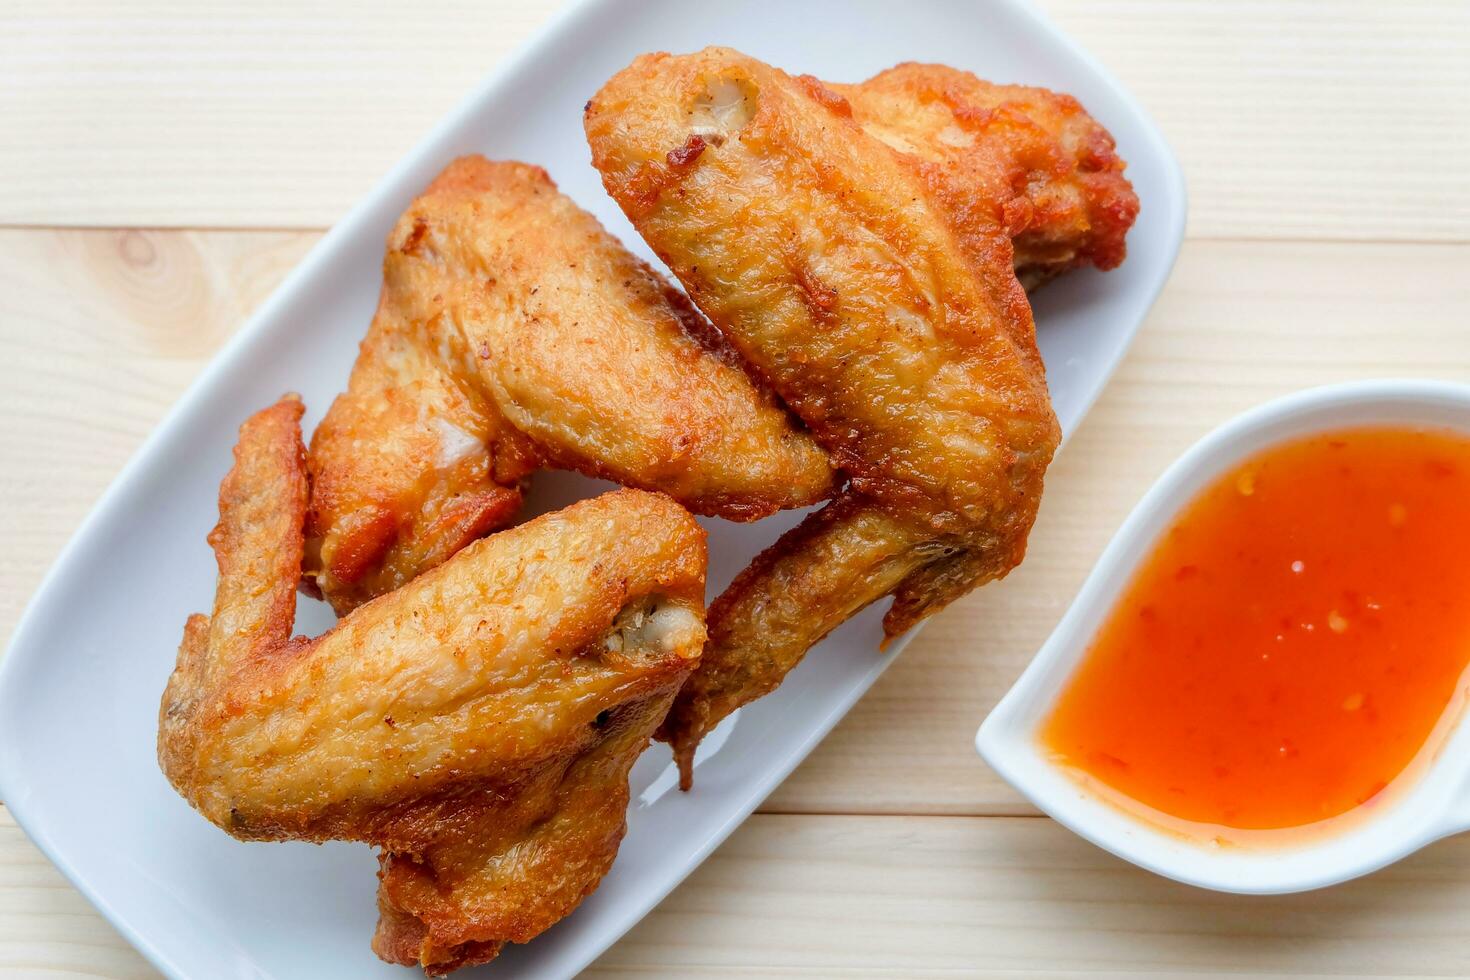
(1330, 223)
(103, 330)
(981, 897)
(1239, 323)
(1293, 119)
(47, 929)
(914, 897)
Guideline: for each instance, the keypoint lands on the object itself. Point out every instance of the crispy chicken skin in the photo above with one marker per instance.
(826, 264)
(476, 725)
(900, 336)
(514, 332)
(815, 578)
(511, 864)
(1027, 159)
(413, 461)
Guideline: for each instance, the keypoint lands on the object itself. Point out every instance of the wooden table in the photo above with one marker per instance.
(163, 166)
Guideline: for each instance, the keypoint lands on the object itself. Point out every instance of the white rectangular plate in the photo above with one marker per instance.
(80, 685)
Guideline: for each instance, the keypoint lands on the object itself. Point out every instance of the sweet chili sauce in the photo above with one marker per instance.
(1291, 643)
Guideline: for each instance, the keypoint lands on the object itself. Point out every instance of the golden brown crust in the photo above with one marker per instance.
(403, 939)
(257, 545)
(472, 883)
(824, 261)
(610, 371)
(812, 580)
(513, 332)
(1033, 159)
(407, 469)
(880, 303)
(457, 722)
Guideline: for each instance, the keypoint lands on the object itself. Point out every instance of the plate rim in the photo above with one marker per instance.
(1007, 737)
(1171, 194)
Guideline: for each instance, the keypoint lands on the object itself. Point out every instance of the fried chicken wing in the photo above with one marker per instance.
(511, 865)
(410, 464)
(514, 332)
(815, 578)
(1028, 159)
(477, 724)
(900, 336)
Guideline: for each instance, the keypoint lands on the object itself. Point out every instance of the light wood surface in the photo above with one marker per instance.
(1299, 119)
(163, 165)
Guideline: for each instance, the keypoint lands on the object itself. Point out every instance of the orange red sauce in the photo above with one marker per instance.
(1292, 641)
